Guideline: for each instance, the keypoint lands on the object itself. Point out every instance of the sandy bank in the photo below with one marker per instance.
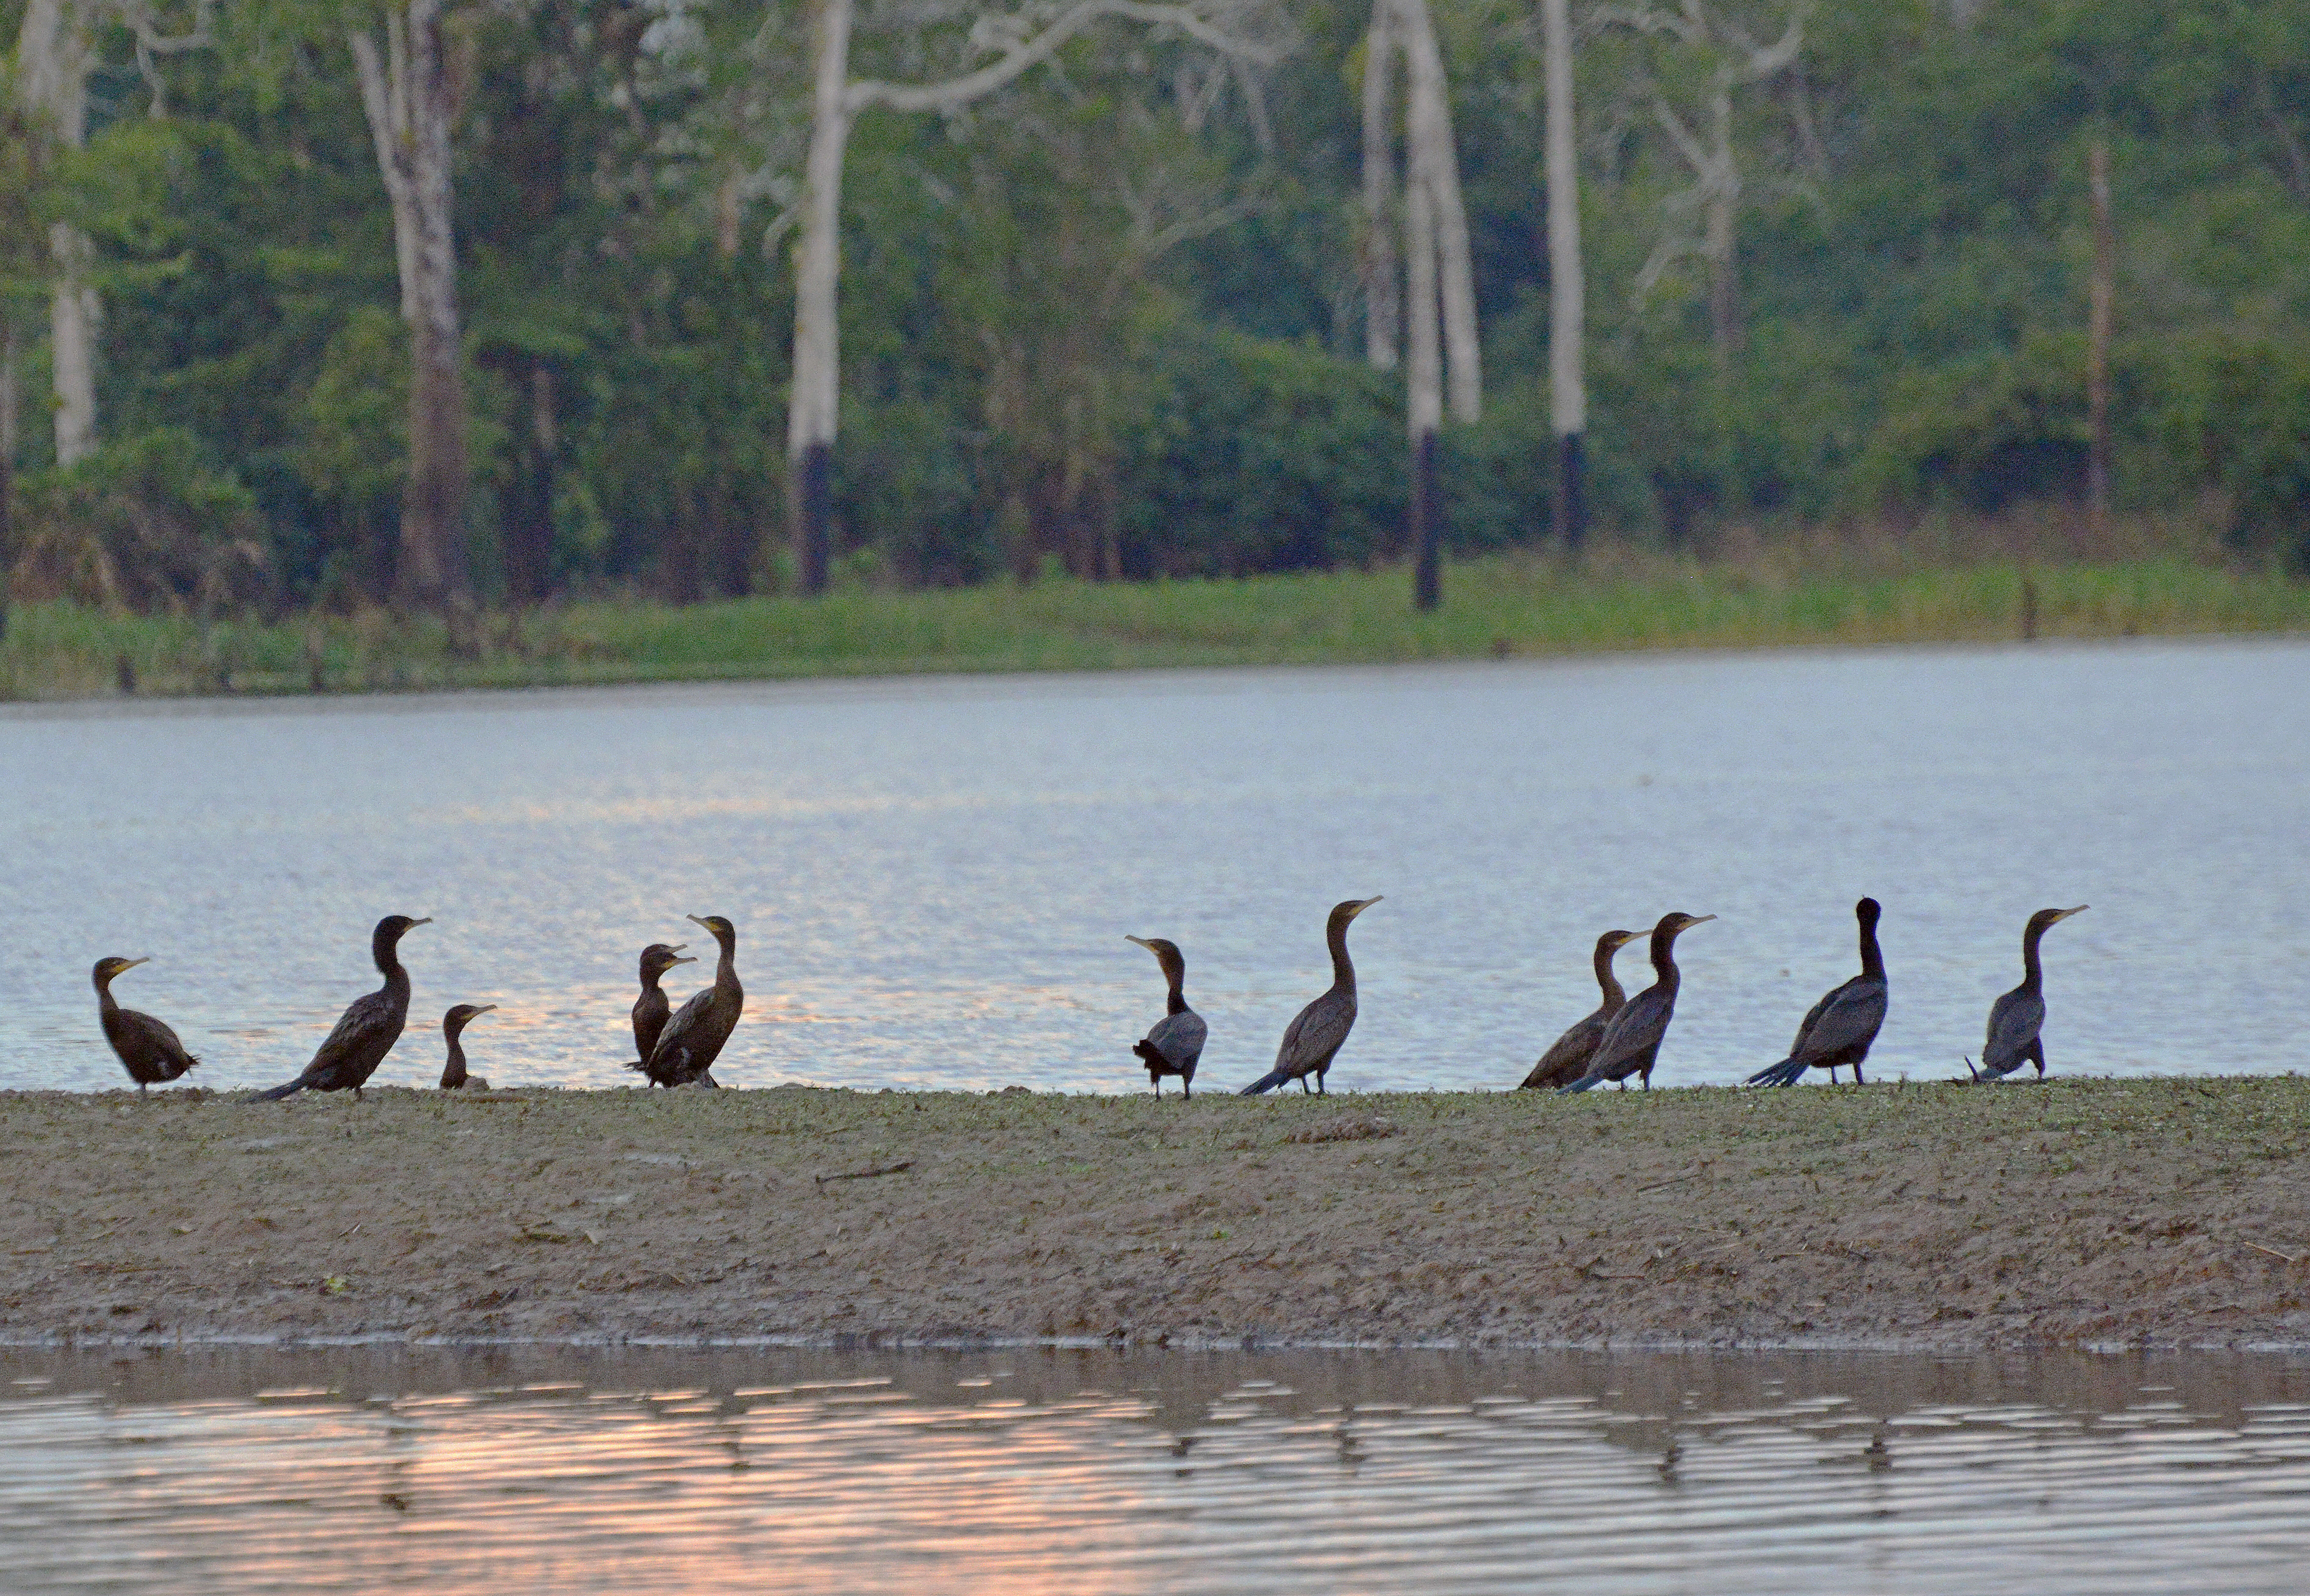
(2172, 1211)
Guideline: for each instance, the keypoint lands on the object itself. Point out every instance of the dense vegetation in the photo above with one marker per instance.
(1130, 290)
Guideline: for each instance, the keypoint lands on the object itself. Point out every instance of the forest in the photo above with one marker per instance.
(445, 305)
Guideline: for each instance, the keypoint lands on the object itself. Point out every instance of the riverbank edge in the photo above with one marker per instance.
(1501, 607)
(2168, 1214)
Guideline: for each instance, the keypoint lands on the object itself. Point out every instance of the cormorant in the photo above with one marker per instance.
(453, 1074)
(1320, 1028)
(1177, 1041)
(2015, 1017)
(1631, 1042)
(652, 1007)
(1567, 1060)
(368, 1027)
(1839, 1029)
(693, 1038)
(148, 1050)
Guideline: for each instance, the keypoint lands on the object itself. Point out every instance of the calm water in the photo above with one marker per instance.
(1090, 1472)
(933, 879)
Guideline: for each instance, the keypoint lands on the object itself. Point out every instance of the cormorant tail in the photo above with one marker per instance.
(279, 1092)
(1150, 1053)
(1784, 1073)
(1265, 1083)
(1581, 1085)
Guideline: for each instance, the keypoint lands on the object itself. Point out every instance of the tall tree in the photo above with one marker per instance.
(407, 97)
(1018, 45)
(1567, 381)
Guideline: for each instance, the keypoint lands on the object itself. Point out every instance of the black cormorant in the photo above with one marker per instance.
(369, 1026)
(1631, 1042)
(149, 1051)
(1322, 1026)
(2016, 1018)
(1839, 1028)
(453, 1073)
(1177, 1041)
(1567, 1060)
(652, 1007)
(693, 1038)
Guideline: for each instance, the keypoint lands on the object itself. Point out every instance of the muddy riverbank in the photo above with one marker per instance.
(2095, 1212)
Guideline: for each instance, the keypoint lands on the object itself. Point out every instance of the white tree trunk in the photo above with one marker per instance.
(1435, 164)
(407, 99)
(1568, 376)
(813, 407)
(1383, 311)
(53, 56)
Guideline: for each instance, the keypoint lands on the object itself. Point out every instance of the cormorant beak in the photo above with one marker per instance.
(130, 963)
(695, 921)
(677, 948)
(413, 925)
(1698, 920)
(1365, 904)
(685, 959)
(2080, 910)
(484, 1008)
(1141, 941)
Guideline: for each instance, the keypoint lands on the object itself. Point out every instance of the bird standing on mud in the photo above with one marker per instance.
(453, 1024)
(651, 1008)
(1176, 1043)
(693, 1038)
(2016, 1018)
(1631, 1043)
(1839, 1028)
(147, 1049)
(1322, 1028)
(1567, 1058)
(369, 1026)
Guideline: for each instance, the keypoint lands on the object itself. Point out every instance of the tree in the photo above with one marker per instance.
(1439, 275)
(55, 51)
(407, 98)
(1567, 382)
(1018, 42)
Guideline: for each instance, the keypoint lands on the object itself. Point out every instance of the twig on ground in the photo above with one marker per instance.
(867, 1173)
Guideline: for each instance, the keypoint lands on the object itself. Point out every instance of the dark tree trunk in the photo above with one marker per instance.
(814, 516)
(1426, 518)
(1571, 504)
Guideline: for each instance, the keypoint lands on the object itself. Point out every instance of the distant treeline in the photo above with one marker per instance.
(1111, 319)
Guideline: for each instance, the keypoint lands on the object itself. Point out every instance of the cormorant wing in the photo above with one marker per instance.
(157, 1037)
(363, 1017)
(1316, 1033)
(1639, 1026)
(2014, 1021)
(1179, 1037)
(1573, 1047)
(685, 1018)
(1848, 1017)
(1812, 1019)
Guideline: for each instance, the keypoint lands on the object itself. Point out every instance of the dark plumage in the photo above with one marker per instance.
(651, 1008)
(1631, 1042)
(1839, 1028)
(368, 1027)
(148, 1050)
(1175, 1044)
(693, 1038)
(1319, 1030)
(1567, 1060)
(2016, 1018)
(453, 1073)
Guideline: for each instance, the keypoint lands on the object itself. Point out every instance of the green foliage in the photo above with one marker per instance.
(1111, 318)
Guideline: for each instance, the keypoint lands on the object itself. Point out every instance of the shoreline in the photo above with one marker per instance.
(2098, 1214)
(1503, 607)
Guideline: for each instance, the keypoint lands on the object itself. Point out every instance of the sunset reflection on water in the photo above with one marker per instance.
(1028, 1470)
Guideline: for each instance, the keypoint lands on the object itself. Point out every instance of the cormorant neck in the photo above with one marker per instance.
(386, 948)
(1873, 957)
(1344, 971)
(2033, 974)
(105, 1002)
(649, 978)
(1606, 980)
(1664, 971)
(457, 1055)
(725, 968)
(1177, 1003)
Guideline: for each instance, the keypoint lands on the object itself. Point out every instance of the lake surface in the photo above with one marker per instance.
(1088, 1471)
(933, 878)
